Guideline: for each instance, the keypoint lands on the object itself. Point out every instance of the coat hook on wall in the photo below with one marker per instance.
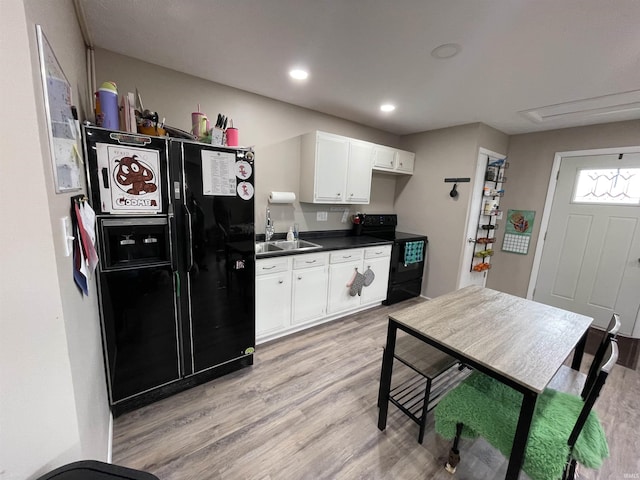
(454, 191)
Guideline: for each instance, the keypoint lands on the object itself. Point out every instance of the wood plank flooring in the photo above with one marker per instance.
(307, 410)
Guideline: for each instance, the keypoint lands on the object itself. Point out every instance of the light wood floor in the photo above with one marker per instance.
(307, 410)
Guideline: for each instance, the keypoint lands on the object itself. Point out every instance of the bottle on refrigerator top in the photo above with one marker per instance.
(108, 96)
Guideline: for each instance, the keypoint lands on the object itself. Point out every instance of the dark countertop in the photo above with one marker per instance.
(329, 243)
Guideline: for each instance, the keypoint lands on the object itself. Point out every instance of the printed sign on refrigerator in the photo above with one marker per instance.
(218, 173)
(132, 183)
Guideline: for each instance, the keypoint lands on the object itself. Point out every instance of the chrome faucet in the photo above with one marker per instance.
(269, 227)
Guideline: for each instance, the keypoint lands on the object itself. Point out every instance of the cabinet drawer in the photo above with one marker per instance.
(342, 256)
(272, 265)
(375, 252)
(310, 260)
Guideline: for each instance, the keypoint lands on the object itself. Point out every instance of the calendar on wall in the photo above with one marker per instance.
(518, 230)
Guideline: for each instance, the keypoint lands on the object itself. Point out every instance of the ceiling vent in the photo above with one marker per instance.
(588, 108)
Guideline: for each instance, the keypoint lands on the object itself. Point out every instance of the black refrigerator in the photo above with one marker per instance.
(175, 233)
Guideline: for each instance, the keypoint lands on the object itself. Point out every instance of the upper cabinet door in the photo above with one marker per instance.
(405, 161)
(384, 157)
(332, 160)
(359, 172)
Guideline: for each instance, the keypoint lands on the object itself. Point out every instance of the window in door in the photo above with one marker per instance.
(619, 186)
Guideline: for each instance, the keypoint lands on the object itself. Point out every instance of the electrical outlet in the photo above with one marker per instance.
(321, 216)
(345, 216)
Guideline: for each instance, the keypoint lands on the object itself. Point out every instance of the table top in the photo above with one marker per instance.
(520, 339)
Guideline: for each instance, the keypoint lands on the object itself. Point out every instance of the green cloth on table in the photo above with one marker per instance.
(491, 409)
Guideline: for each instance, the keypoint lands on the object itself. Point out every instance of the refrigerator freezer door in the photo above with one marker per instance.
(215, 225)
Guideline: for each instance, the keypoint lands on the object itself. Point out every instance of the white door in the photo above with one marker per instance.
(466, 275)
(273, 303)
(591, 257)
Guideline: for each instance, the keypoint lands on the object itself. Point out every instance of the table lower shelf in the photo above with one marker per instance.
(409, 395)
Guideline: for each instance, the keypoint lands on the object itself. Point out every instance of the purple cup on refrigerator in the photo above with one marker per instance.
(108, 93)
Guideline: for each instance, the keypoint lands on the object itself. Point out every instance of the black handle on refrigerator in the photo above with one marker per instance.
(189, 238)
(105, 177)
(172, 248)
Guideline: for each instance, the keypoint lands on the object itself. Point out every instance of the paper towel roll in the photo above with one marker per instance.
(282, 197)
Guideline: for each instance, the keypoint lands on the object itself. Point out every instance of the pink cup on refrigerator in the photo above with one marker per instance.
(232, 137)
(199, 124)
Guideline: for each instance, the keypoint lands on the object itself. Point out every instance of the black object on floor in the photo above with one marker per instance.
(94, 470)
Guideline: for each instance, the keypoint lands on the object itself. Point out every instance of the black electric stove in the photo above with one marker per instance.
(408, 255)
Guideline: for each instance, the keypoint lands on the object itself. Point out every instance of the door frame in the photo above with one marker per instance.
(546, 213)
(474, 206)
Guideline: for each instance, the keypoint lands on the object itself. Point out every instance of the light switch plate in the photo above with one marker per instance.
(321, 216)
(67, 237)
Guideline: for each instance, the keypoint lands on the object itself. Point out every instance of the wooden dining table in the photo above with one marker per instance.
(519, 342)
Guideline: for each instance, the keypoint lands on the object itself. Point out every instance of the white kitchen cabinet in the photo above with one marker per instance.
(405, 161)
(273, 295)
(299, 291)
(379, 264)
(334, 169)
(358, 189)
(384, 158)
(342, 267)
(392, 160)
(310, 282)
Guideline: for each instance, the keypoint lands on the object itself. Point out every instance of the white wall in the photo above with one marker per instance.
(271, 126)
(423, 203)
(54, 408)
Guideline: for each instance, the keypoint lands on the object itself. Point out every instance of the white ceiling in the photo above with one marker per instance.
(517, 55)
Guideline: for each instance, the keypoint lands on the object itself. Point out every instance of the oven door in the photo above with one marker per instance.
(407, 260)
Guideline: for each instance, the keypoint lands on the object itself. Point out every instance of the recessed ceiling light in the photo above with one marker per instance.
(387, 107)
(298, 74)
(447, 50)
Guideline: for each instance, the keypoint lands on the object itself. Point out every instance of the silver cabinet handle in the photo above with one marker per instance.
(280, 281)
(346, 256)
(299, 278)
(269, 268)
(339, 194)
(310, 261)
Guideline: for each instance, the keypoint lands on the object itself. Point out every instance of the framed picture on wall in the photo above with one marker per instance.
(62, 127)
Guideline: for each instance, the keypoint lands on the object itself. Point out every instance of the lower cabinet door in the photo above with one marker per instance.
(376, 292)
(339, 276)
(309, 294)
(273, 303)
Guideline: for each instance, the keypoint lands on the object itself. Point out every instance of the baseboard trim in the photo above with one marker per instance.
(110, 440)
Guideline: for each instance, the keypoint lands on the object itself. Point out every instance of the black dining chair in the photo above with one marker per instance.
(482, 406)
(573, 381)
(433, 374)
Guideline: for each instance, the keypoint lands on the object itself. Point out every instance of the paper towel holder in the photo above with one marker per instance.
(282, 197)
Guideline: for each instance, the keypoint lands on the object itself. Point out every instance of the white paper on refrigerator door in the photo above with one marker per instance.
(133, 182)
(218, 173)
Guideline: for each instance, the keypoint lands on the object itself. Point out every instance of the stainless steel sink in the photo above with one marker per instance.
(284, 246)
(266, 247)
(295, 245)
